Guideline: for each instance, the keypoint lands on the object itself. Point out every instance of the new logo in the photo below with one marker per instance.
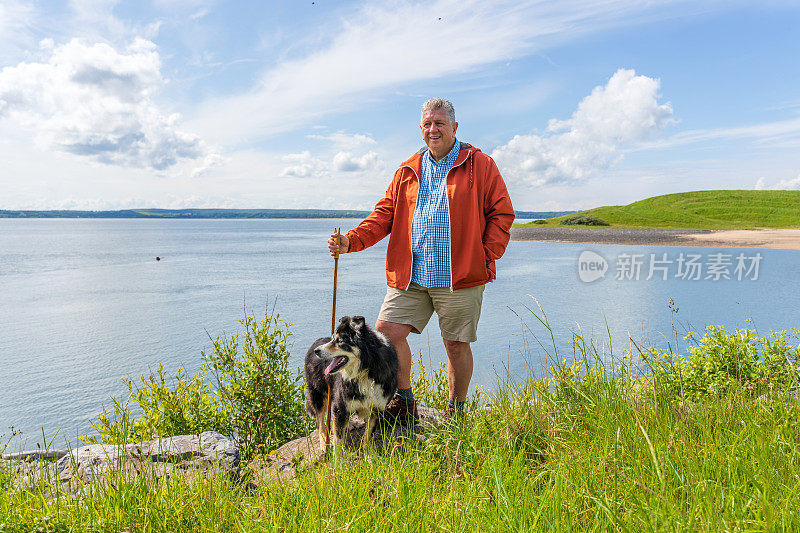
(591, 266)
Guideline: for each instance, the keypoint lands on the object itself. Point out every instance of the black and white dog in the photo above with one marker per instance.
(360, 365)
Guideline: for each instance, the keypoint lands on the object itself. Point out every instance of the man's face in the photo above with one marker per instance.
(438, 132)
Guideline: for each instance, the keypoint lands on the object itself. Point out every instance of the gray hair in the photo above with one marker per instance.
(440, 103)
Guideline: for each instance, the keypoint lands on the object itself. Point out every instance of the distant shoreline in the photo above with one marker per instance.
(766, 238)
(224, 213)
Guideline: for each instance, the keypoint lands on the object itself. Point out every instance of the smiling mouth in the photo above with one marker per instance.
(336, 364)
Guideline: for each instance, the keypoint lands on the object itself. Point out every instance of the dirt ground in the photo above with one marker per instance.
(764, 238)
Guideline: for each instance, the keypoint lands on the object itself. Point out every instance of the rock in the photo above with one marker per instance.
(287, 461)
(685, 408)
(96, 458)
(189, 456)
(95, 454)
(776, 396)
(217, 447)
(29, 473)
(36, 455)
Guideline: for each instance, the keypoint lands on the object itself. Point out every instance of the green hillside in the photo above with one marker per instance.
(735, 209)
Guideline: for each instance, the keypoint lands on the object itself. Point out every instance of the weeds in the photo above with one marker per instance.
(596, 445)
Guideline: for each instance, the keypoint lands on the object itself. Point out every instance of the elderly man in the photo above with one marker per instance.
(448, 212)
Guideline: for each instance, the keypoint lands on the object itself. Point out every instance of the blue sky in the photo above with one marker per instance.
(110, 105)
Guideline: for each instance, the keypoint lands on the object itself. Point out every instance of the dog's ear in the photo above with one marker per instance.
(344, 320)
(358, 322)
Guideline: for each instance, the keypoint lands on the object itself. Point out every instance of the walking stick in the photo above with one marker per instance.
(337, 238)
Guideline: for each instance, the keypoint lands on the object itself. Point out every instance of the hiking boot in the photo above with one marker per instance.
(399, 411)
(454, 411)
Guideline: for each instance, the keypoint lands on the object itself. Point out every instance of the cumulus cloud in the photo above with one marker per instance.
(352, 156)
(621, 113)
(302, 165)
(792, 185)
(96, 102)
(346, 141)
(347, 162)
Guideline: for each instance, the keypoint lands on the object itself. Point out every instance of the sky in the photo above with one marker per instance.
(313, 104)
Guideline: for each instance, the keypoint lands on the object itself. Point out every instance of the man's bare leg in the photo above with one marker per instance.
(398, 334)
(459, 368)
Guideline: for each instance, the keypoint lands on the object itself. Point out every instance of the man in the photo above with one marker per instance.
(448, 212)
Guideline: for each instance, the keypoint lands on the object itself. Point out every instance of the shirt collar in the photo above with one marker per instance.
(449, 159)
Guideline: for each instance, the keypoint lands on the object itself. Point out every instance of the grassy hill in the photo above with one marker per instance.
(735, 209)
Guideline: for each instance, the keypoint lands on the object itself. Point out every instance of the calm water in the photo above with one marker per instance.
(85, 304)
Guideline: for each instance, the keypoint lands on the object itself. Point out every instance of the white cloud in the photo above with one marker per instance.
(16, 23)
(623, 112)
(93, 101)
(352, 155)
(210, 161)
(347, 162)
(791, 184)
(346, 141)
(390, 44)
(771, 134)
(302, 165)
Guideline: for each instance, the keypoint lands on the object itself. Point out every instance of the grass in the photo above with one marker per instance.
(587, 449)
(724, 209)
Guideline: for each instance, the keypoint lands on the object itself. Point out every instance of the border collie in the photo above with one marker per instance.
(361, 366)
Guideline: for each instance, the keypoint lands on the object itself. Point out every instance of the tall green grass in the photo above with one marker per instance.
(722, 209)
(591, 447)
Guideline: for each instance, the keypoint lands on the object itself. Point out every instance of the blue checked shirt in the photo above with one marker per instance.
(430, 228)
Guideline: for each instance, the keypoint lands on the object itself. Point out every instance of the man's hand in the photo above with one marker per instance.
(344, 244)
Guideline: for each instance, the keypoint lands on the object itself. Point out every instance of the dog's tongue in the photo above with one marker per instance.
(335, 362)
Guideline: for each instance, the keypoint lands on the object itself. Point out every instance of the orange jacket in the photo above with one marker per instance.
(480, 218)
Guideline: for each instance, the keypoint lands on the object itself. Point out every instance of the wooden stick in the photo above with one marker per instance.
(333, 330)
(335, 273)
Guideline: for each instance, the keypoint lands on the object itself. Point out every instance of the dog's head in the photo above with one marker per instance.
(342, 350)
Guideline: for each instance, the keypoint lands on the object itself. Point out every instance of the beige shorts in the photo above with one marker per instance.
(458, 311)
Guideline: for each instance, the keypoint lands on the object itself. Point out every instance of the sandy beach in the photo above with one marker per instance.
(765, 238)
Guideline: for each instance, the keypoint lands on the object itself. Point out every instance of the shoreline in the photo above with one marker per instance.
(785, 239)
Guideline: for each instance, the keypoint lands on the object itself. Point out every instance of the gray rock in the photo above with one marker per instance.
(189, 456)
(287, 461)
(97, 454)
(776, 396)
(36, 455)
(209, 444)
(218, 447)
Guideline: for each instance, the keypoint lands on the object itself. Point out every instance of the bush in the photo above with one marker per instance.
(261, 396)
(723, 362)
(190, 408)
(583, 220)
(540, 221)
(432, 389)
(257, 399)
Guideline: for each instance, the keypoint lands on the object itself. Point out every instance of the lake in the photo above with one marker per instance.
(85, 303)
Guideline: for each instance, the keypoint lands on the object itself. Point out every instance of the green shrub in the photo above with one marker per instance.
(190, 407)
(254, 396)
(583, 220)
(262, 397)
(723, 362)
(431, 389)
(540, 221)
